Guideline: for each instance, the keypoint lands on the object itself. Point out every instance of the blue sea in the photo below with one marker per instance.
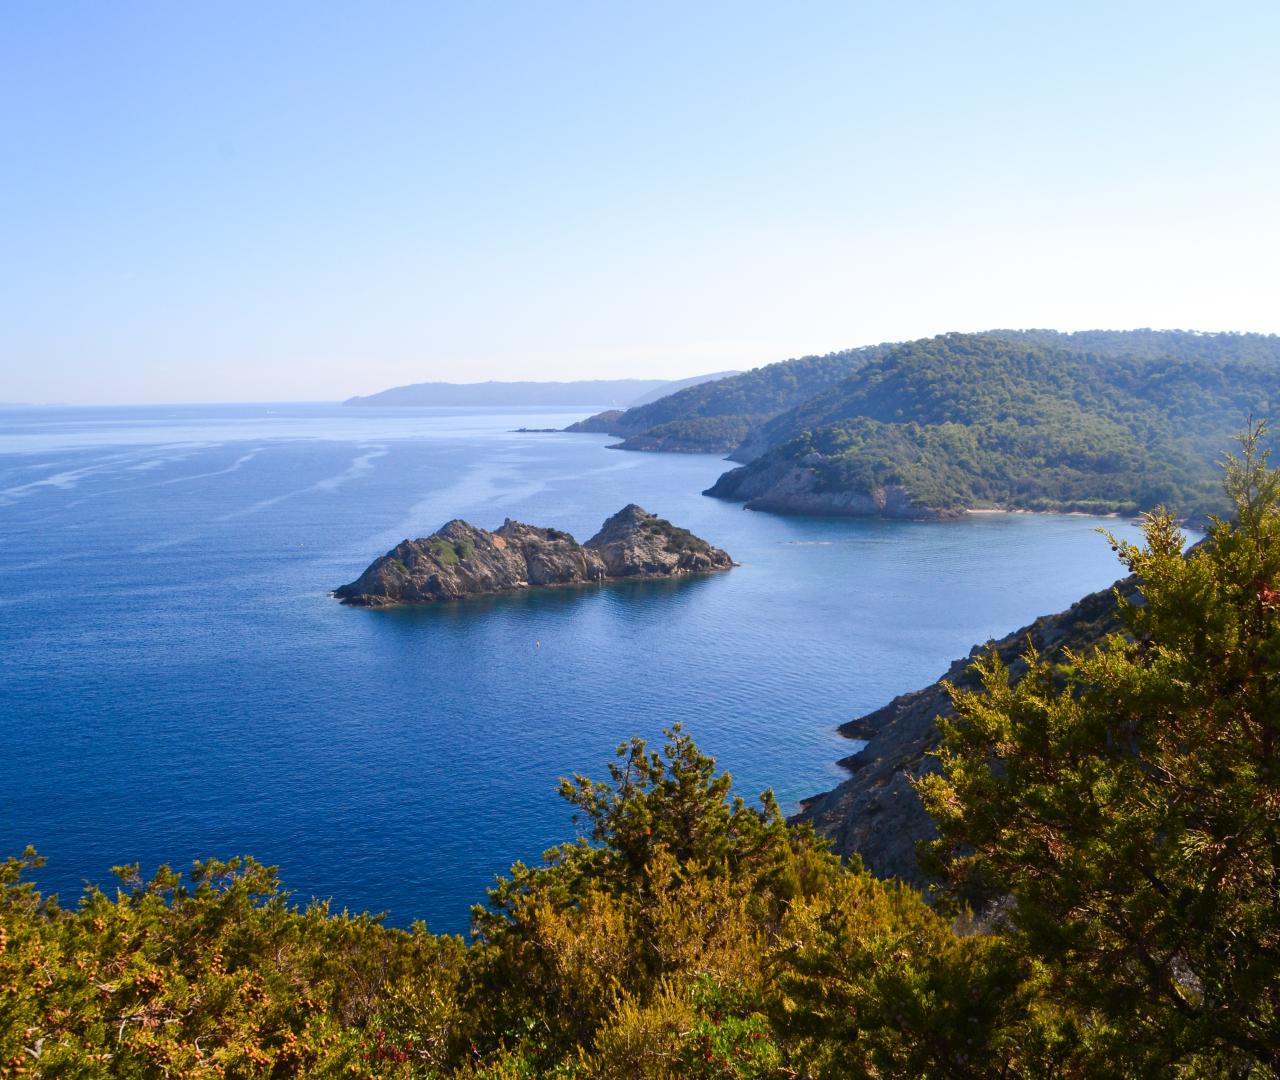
(176, 681)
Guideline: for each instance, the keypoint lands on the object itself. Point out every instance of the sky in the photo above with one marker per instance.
(302, 201)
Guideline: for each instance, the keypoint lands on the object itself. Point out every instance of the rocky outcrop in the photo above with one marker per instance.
(785, 486)
(876, 813)
(755, 445)
(460, 560)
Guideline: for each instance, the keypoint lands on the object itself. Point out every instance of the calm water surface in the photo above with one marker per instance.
(175, 681)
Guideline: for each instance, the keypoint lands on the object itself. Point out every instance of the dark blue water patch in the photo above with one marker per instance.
(176, 682)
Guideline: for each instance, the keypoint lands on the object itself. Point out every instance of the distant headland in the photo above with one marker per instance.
(460, 560)
(623, 392)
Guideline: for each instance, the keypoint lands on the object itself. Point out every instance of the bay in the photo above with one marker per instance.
(177, 683)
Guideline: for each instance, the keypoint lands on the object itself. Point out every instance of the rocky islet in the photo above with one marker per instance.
(460, 560)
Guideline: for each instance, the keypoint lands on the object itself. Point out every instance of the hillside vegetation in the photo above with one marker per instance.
(938, 426)
(1098, 420)
(1219, 348)
(1174, 365)
(1119, 812)
(715, 417)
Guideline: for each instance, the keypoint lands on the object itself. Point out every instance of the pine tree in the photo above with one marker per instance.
(1128, 801)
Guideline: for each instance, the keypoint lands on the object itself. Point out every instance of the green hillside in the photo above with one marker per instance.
(970, 421)
(1155, 344)
(1164, 368)
(715, 417)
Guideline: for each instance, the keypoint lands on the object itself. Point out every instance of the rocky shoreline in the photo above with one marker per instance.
(787, 487)
(876, 813)
(460, 560)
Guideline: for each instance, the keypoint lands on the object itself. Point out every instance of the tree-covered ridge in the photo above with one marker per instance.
(973, 378)
(716, 416)
(1214, 348)
(965, 421)
(752, 413)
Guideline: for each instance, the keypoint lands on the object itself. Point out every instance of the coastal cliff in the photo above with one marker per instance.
(876, 813)
(460, 560)
(785, 486)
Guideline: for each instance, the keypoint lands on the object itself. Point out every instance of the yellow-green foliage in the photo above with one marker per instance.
(219, 977)
(677, 938)
(685, 936)
(444, 550)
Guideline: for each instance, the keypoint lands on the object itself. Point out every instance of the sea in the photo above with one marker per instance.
(177, 682)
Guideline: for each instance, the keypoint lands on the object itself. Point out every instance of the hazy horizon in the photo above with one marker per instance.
(639, 377)
(308, 202)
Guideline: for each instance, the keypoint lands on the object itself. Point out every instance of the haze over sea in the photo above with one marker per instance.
(176, 682)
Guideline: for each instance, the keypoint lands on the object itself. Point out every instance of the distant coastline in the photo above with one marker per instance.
(585, 392)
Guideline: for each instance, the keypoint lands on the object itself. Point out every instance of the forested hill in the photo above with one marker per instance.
(715, 417)
(960, 422)
(1154, 355)
(681, 384)
(1155, 344)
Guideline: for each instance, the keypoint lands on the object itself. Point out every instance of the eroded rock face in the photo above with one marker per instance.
(782, 486)
(635, 543)
(461, 560)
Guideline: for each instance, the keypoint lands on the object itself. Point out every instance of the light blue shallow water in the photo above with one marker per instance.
(175, 681)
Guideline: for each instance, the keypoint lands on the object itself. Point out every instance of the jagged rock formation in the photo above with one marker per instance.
(876, 813)
(460, 560)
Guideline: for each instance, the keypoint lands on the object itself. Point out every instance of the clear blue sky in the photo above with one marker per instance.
(272, 201)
